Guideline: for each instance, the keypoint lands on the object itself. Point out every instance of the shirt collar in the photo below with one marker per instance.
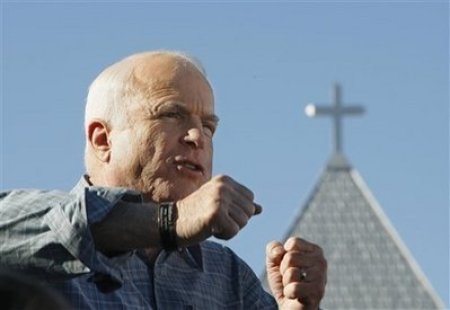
(83, 182)
(127, 195)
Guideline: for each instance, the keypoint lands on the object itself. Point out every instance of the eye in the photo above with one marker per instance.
(209, 129)
(171, 114)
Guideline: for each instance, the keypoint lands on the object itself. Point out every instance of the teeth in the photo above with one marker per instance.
(190, 166)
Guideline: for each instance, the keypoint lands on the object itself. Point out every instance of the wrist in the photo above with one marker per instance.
(167, 218)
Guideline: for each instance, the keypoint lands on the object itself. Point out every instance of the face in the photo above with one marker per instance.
(166, 150)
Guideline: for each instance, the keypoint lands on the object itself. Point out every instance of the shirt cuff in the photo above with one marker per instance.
(70, 224)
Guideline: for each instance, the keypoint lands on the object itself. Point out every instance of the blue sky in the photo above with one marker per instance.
(266, 61)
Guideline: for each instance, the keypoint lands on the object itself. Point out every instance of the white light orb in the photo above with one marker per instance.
(310, 110)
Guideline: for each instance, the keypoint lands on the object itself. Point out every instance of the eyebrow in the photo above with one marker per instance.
(181, 108)
(212, 118)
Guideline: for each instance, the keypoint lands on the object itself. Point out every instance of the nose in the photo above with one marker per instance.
(194, 137)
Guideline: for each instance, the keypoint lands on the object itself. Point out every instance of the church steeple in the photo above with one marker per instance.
(369, 266)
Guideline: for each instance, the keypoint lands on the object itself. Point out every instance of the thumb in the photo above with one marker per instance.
(274, 255)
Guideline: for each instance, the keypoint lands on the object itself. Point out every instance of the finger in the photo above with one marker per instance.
(244, 195)
(294, 274)
(225, 228)
(299, 259)
(245, 205)
(238, 216)
(249, 207)
(309, 294)
(297, 290)
(245, 191)
(298, 244)
(274, 255)
(239, 188)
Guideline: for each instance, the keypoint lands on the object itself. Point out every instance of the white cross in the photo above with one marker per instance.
(337, 111)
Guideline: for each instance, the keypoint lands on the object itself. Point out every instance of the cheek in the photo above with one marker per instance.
(125, 150)
(153, 149)
(125, 160)
(209, 161)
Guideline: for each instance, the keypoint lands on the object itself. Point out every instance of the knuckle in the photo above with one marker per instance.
(317, 249)
(321, 262)
(244, 222)
(290, 290)
(292, 240)
(289, 257)
(248, 210)
(290, 274)
(296, 239)
(251, 195)
(272, 245)
(220, 188)
(234, 229)
(292, 243)
(222, 178)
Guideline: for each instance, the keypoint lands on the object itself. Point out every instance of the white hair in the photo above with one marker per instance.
(114, 89)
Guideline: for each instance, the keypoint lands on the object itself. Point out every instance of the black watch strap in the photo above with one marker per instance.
(167, 217)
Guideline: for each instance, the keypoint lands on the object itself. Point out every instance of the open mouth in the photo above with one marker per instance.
(189, 165)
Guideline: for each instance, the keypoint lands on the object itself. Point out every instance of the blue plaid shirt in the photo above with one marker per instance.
(47, 234)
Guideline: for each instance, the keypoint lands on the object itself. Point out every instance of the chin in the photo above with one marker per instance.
(171, 190)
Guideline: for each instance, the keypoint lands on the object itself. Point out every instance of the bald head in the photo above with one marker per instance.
(119, 88)
(129, 80)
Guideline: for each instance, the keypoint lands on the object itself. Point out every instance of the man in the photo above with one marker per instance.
(132, 234)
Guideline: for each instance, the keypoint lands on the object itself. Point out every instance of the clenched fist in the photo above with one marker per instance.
(297, 273)
(220, 208)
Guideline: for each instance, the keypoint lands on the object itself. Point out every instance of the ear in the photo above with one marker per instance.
(98, 137)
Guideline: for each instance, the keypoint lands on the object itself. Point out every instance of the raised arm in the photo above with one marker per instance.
(220, 208)
(74, 233)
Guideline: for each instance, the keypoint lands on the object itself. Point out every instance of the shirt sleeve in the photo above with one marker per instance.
(49, 230)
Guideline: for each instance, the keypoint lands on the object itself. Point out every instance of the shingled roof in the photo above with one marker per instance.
(369, 267)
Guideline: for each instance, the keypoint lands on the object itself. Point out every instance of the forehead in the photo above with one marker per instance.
(167, 80)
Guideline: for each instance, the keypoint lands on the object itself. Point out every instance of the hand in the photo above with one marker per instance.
(220, 208)
(285, 265)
